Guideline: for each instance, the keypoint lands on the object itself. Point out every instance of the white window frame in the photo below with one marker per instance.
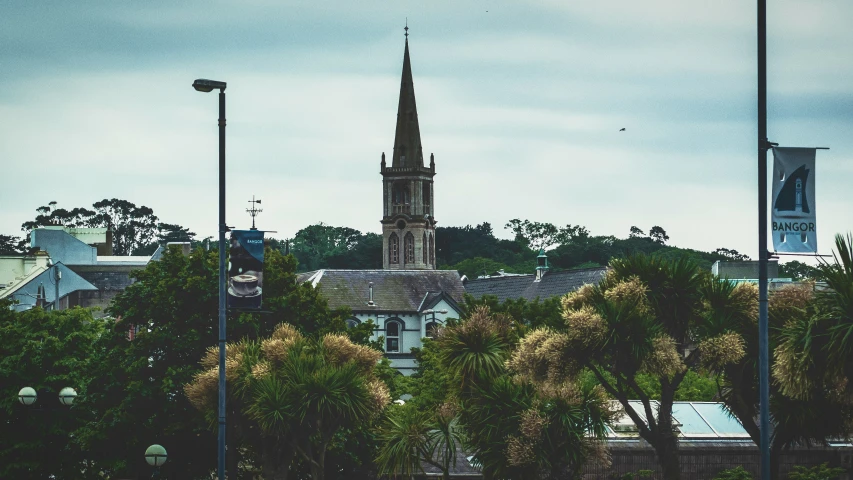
(399, 335)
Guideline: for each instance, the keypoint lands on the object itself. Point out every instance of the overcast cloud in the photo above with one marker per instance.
(521, 102)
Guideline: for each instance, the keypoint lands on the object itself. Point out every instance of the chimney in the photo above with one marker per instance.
(541, 265)
(370, 298)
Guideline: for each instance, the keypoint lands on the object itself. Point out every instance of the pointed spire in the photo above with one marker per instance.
(407, 139)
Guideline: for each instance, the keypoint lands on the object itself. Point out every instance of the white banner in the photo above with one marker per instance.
(793, 202)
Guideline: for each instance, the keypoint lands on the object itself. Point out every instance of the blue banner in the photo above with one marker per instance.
(246, 269)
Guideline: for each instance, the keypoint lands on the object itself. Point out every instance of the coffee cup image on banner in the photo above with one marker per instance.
(246, 269)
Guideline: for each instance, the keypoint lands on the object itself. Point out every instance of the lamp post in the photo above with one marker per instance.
(203, 85)
(27, 396)
(156, 456)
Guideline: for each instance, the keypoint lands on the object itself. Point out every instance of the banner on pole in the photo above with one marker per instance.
(246, 269)
(793, 201)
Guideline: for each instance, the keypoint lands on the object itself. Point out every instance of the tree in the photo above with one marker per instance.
(658, 234)
(798, 271)
(411, 437)
(636, 233)
(298, 391)
(173, 310)
(518, 428)
(731, 255)
(639, 320)
(132, 227)
(314, 245)
(10, 245)
(47, 351)
(170, 232)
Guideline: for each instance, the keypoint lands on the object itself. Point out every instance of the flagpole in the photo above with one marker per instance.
(763, 330)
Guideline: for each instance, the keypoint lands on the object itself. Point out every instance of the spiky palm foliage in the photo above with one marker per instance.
(646, 317)
(515, 427)
(293, 394)
(410, 438)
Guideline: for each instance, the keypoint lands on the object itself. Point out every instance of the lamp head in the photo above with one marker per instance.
(27, 396)
(67, 396)
(204, 85)
(155, 455)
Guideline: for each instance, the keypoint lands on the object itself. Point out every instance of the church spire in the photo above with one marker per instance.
(407, 139)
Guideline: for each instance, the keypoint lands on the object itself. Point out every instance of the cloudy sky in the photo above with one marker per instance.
(521, 102)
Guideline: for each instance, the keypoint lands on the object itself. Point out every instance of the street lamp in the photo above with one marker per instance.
(156, 456)
(203, 85)
(431, 332)
(28, 396)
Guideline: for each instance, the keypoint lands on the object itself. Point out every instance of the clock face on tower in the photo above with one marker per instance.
(401, 224)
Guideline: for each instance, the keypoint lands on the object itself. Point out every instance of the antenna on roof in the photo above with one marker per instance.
(254, 211)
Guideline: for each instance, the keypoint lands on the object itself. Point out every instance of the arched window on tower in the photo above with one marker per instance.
(410, 248)
(432, 249)
(401, 199)
(425, 188)
(424, 248)
(393, 248)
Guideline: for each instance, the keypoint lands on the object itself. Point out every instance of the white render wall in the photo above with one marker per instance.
(414, 330)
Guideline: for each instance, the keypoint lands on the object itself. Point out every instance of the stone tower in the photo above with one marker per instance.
(408, 224)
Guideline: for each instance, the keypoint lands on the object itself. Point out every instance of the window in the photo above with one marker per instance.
(432, 249)
(392, 336)
(394, 248)
(410, 248)
(432, 329)
(424, 249)
(425, 188)
(353, 322)
(401, 197)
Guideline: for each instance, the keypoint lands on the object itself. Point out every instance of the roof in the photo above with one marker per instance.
(407, 137)
(393, 290)
(552, 284)
(694, 420)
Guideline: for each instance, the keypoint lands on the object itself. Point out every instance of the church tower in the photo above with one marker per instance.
(408, 224)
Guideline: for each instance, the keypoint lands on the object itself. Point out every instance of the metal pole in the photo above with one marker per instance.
(763, 330)
(222, 280)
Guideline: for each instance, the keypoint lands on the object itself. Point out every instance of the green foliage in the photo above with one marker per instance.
(293, 394)
(525, 313)
(517, 429)
(798, 271)
(47, 351)
(819, 472)
(173, 307)
(323, 246)
(10, 245)
(737, 473)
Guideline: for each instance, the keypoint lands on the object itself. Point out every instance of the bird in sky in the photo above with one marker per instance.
(622, 129)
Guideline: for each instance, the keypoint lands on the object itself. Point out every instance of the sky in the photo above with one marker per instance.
(520, 101)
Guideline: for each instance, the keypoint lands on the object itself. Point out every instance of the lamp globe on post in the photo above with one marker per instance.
(67, 396)
(156, 456)
(27, 396)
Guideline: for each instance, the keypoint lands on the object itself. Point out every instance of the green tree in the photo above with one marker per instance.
(658, 234)
(291, 395)
(411, 437)
(518, 428)
(324, 246)
(638, 321)
(47, 351)
(10, 245)
(798, 271)
(133, 228)
(173, 309)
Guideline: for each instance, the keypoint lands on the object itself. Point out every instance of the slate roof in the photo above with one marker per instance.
(393, 290)
(553, 284)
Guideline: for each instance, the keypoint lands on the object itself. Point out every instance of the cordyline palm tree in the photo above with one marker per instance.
(410, 438)
(517, 428)
(645, 317)
(292, 394)
(731, 350)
